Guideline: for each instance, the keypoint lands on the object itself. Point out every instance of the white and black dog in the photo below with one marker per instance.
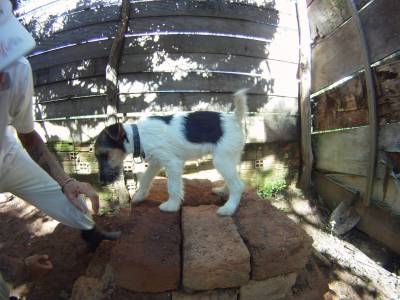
(168, 141)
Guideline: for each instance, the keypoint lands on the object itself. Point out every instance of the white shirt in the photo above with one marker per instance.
(16, 106)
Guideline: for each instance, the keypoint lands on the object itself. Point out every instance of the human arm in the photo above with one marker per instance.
(72, 188)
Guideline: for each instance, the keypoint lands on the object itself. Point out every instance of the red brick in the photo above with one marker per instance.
(274, 288)
(100, 260)
(147, 257)
(87, 288)
(277, 244)
(121, 294)
(220, 294)
(214, 255)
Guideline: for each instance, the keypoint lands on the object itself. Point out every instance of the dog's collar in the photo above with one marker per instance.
(136, 141)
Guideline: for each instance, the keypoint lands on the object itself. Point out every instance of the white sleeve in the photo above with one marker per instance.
(22, 119)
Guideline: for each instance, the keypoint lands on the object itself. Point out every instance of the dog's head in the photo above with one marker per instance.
(110, 152)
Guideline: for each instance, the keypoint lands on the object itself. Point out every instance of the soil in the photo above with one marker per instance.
(25, 231)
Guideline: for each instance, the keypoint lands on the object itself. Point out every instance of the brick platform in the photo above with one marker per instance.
(196, 254)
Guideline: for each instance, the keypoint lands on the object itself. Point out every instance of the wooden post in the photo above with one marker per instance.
(372, 111)
(113, 61)
(118, 186)
(304, 75)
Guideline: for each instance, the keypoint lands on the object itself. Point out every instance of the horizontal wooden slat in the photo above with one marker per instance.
(187, 62)
(209, 25)
(222, 9)
(172, 63)
(27, 8)
(326, 16)
(173, 102)
(73, 107)
(267, 128)
(212, 82)
(76, 131)
(80, 35)
(339, 55)
(346, 151)
(165, 103)
(162, 82)
(279, 48)
(73, 70)
(30, 7)
(281, 5)
(70, 54)
(46, 23)
(346, 105)
(71, 89)
(171, 44)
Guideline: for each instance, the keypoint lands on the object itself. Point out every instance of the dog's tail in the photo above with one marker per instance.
(240, 100)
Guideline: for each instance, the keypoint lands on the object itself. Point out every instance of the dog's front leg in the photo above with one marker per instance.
(145, 181)
(175, 187)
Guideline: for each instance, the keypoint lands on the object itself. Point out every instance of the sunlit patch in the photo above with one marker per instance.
(150, 97)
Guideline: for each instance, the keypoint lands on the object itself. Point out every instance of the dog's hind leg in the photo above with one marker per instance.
(175, 186)
(145, 182)
(226, 166)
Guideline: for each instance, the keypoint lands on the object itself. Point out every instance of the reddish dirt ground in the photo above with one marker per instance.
(25, 231)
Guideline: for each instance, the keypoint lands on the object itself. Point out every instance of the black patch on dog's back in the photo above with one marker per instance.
(165, 119)
(203, 127)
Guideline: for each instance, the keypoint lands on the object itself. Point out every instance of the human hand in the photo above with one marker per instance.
(38, 265)
(73, 188)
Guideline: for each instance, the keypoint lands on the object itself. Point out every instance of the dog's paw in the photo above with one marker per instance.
(220, 191)
(226, 210)
(138, 197)
(170, 206)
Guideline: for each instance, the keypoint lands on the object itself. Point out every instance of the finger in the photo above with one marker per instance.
(43, 258)
(94, 198)
(95, 204)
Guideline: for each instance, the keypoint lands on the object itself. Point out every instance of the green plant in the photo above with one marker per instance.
(106, 211)
(272, 188)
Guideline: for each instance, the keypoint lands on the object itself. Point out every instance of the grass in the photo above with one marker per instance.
(272, 188)
(104, 211)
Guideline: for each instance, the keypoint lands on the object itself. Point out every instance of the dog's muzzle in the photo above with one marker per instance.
(108, 175)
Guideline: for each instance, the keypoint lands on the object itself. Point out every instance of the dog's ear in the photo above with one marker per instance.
(116, 132)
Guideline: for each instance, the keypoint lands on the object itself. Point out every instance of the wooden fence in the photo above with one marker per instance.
(177, 56)
(340, 112)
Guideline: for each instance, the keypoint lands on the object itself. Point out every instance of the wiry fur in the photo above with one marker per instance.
(166, 146)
